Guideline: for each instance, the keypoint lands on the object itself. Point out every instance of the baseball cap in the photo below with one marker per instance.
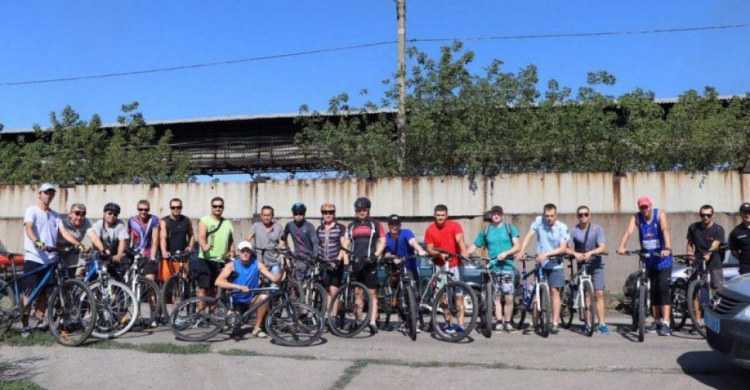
(245, 245)
(394, 218)
(745, 208)
(47, 187)
(644, 201)
(496, 209)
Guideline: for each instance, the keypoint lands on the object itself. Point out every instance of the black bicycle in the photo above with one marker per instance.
(311, 290)
(699, 292)
(641, 300)
(400, 293)
(349, 310)
(180, 286)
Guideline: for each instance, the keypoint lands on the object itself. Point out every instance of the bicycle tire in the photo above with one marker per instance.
(694, 291)
(587, 309)
(145, 291)
(286, 323)
(71, 308)
(487, 306)
(424, 311)
(567, 304)
(349, 327)
(7, 305)
(116, 309)
(543, 317)
(385, 307)
(448, 290)
(519, 309)
(679, 313)
(641, 312)
(317, 297)
(174, 291)
(411, 312)
(634, 302)
(187, 320)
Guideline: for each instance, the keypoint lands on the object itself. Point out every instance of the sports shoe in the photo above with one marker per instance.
(602, 328)
(652, 328)
(664, 330)
(509, 328)
(448, 328)
(42, 326)
(373, 328)
(259, 334)
(554, 329)
(460, 329)
(25, 332)
(529, 330)
(586, 328)
(499, 327)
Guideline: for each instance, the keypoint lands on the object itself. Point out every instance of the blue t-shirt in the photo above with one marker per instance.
(548, 238)
(247, 275)
(497, 240)
(400, 246)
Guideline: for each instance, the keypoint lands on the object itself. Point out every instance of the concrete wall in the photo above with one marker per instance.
(611, 199)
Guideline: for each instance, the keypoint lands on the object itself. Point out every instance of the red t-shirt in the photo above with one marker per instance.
(444, 238)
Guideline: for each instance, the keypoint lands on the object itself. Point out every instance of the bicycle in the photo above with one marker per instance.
(311, 290)
(402, 296)
(180, 286)
(346, 316)
(699, 292)
(115, 302)
(69, 310)
(578, 296)
(486, 297)
(439, 297)
(678, 294)
(641, 299)
(147, 292)
(289, 322)
(534, 298)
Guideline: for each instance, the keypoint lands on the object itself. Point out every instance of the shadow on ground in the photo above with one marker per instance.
(712, 369)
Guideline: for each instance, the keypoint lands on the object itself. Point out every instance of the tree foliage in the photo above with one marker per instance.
(459, 123)
(74, 151)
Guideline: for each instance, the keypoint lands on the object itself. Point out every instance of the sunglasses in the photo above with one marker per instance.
(328, 212)
(706, 215)
(296, 214)
(217, 206)
(79, 213)
(362, 210)
(175, 207)
(111, 213)
(581, 215)
(144, 210)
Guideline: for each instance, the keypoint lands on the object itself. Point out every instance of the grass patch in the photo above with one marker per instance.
(13, 339)
(20, 385)
(349, 373)
(245, 352)
(166, 348)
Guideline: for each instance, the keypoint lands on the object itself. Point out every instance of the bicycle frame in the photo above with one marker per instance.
(539, 279)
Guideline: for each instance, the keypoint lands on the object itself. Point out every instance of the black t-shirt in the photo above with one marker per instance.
(702, 239)
(177, 233)
(739, 240)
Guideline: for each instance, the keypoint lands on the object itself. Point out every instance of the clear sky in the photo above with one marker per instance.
(56, 39)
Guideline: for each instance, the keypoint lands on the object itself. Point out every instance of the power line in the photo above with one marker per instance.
(368, 45)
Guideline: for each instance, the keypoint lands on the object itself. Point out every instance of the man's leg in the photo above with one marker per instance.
(555, 295)
(261, 312)
(599, 307)
(508, 308)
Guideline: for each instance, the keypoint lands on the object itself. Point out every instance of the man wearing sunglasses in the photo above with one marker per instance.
(76, 225)
(304, 237)
(656, 243)
(144, 228)
(175, 234)
(739, 239)
(703, 237)
(587, 243)
(109, 234)
(216, 242)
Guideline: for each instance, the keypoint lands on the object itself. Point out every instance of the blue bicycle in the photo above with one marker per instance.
(533, 296)
(69, 309)
(116, 303)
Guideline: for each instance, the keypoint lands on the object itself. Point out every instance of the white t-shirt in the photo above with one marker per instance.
(45, 225)
(110, 236)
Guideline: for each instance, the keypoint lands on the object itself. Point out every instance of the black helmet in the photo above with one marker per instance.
(362, 203)
(113, 207)
(299, 208)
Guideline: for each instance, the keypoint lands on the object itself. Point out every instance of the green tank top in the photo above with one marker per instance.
(219, 239)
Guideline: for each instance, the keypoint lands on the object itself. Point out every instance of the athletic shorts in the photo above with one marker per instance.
(660, 280)
(30, 282)
(206, 272)
(150, 267)
(368, 276)
(596, 270)
(456, 272)
(504, 283)
(555, 277)
(717, 276)
(331, 277)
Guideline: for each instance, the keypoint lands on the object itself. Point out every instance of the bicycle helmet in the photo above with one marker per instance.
(113, 207)
(362, 203)
(328, 207)
(299, 208)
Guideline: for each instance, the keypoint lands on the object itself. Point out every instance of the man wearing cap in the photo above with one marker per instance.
(245, 271)
(502, 241)
(41, 226)
(739, 239)
(304, 237)
(76, 224)
(656, 244)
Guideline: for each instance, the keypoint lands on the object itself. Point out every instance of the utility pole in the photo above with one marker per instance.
(401, 116)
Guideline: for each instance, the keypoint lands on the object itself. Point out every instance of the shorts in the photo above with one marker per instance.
(456, 272)
(596, 271)
(300, 268)
(555, 277)
(504, 283)
(660, 280)
(367, 276)
(150, 267)
(331, 277)
(206, 272)
(30, 282)
(717, 278)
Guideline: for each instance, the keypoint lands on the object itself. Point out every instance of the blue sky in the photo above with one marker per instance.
(53, 39)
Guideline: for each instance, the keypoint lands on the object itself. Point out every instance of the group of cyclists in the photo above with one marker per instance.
(356, 250)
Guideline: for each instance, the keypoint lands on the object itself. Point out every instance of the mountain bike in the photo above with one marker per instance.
(439, 298)
(288, 322)
(578, 296)
(349, 311)
(147, 292)
(311, 290)
(641, 298)
(399, 292)
(116, 305)
(69, 309)
(180, 286)
(486, 296)
(699, 292)
(533, 297)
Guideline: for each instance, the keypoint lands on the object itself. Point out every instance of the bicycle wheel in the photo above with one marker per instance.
(71, 312)
(116, 309)
(295, 324)
(191, 323)
(385, 307)
(352, 314)
(149, 301)
(486, 310)
(567, 304)
(543, 322)
(697, 290)
(445, 301)
(411, 312)
(679, 313)
(7, 306)
(519, 309)
(316, 296)
(424, 312)
(175, 291)
(641, 312)
(587, 310)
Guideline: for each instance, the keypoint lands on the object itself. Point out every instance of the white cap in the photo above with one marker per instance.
(245, 245)
(46, 187)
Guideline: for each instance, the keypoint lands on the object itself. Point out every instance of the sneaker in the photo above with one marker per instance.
(449, 329)
(529, 330)
(259, 334)
(402, 328)
(652, 328)
(499, 327)
(373, 328)
(664, 330)
(554, 329)
(587, 328)
(460, 329)
(26, 332)
(602, 328)
(509, 328)
(42, 326)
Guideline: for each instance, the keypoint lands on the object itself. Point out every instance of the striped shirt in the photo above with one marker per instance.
(330, 241)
